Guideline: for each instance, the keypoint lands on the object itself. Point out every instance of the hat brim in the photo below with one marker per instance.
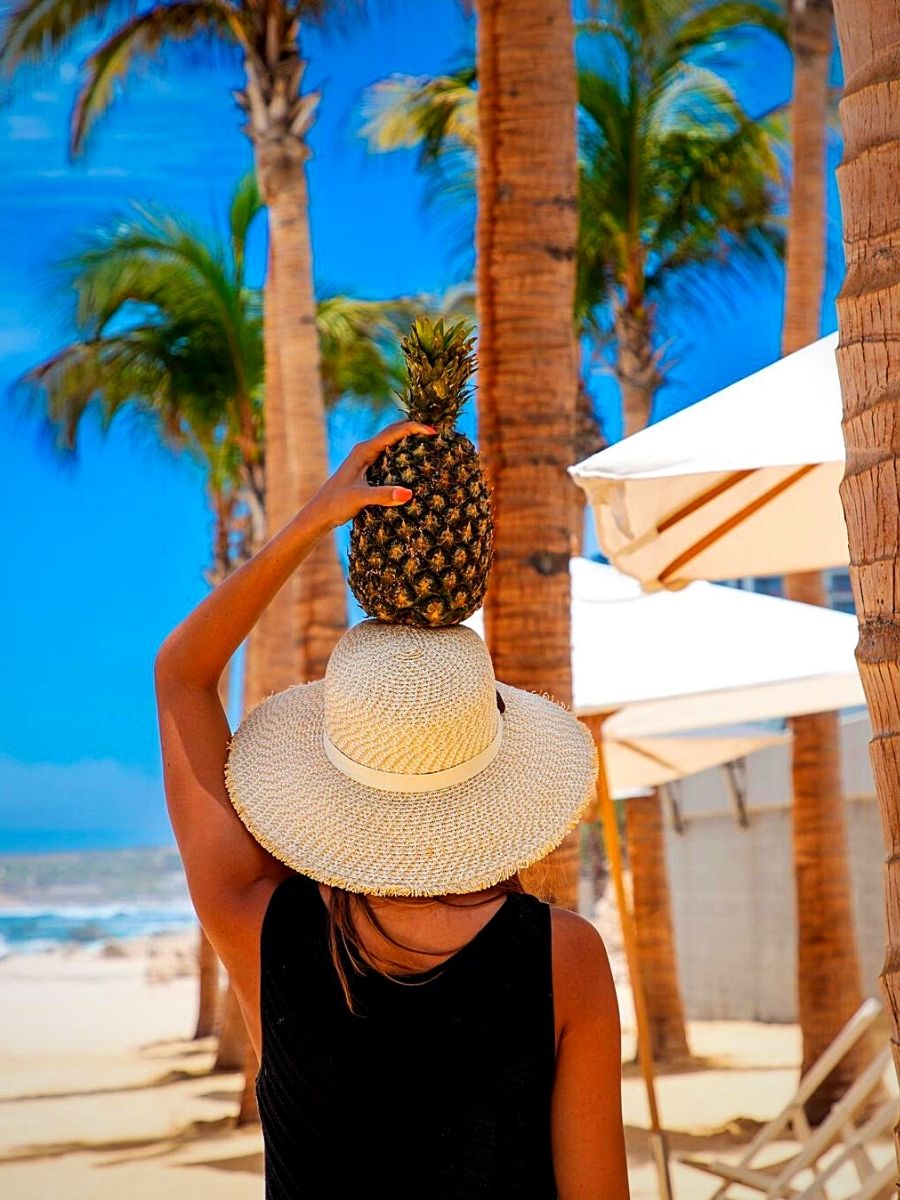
(462, 838)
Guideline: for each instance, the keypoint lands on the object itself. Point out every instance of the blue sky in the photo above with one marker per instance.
(106, 554)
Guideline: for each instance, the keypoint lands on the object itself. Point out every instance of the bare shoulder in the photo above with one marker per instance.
(582, 977)
(576, 940)
(587, 1084)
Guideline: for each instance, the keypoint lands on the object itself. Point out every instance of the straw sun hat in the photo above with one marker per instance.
(399, 775)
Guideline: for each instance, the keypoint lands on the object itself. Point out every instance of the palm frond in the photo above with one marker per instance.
(154, 257)
(692, 96)
(431, 114)
(246, 205)
(598, 27)
(360, 352)
(33, 28)
(438, 116)
(141, 36)
(167, 333)
(720, 209)
(704, 24)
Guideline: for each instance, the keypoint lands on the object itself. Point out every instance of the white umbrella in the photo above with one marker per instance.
(707, 655)
(742, 483)
(702, 657)
(635, 764)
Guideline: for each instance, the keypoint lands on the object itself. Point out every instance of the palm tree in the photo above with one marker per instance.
(528, 374)
(676, 179)
(829, 979)
(170, 332)
(307, 617)
(810, 27)
(226, 541)
(676, 182)
(705, 193)
(869, 365)
(191, 363)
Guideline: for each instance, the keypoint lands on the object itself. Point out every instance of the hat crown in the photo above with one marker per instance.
(409, 700)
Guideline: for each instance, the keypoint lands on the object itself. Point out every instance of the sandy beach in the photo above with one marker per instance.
(104, 1095)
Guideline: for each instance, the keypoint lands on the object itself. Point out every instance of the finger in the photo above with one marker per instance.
(392, 433)
(388, 496)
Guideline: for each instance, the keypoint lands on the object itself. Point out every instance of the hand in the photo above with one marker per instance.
(347, 491)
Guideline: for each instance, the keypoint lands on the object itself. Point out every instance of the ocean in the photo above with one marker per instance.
(90, 897)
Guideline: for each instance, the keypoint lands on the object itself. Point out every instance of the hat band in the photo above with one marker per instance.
(399, 781)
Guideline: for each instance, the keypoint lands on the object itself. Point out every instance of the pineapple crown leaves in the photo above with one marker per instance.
(439, 361)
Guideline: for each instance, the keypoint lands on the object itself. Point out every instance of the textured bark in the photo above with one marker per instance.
(208, 986)
(274, 661)
(869, 365)
(645, 840)
(254, 669)
(235, 1047)
(258, 653)
(320, 607)
(829, 981)
(589, 440)
(829, 977)
(207, 959)
(637, 369)
(810, 26)
(527, 380)
(233, 1037)
(248, 1110)
(310, 614)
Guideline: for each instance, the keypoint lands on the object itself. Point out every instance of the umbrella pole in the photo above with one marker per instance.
(614, 851)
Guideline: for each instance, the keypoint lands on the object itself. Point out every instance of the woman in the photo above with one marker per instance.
(425, 1027)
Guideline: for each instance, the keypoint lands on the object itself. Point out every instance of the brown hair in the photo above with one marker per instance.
(344, 940)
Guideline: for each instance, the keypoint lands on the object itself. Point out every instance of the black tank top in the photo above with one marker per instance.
(439, 1089)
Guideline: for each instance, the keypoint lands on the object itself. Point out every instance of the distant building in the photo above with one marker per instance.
(731, 879)
(837, 581)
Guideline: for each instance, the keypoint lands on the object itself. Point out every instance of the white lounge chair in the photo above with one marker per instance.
(778, 1180)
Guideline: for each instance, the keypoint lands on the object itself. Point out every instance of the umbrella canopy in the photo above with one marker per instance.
(742, 483)
(703, 657)
(635, 764)
(707, 655)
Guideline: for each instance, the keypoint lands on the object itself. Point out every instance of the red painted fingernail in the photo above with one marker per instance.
(401, 493)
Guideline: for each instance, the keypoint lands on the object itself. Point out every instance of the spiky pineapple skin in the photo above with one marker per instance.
(425, 562)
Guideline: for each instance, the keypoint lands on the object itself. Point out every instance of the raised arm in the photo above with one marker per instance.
(222, 861)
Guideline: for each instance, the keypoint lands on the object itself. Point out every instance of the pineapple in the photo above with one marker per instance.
(427, 562)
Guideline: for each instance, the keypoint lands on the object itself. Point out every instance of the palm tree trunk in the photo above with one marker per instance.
(208, 972)
(274, 658)
(829, 983)
(207, 959)
(869, 366)
(233, 1039)
(645, 840)
(248, 1110)
(313, 612)
(636, 368)
(639, 378)
(320, 612)
(810, 26)
(829, 977)
(527, 382)
(589, 440)
(235, 1048)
